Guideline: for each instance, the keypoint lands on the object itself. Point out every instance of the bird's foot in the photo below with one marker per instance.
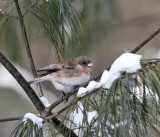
(64, 96)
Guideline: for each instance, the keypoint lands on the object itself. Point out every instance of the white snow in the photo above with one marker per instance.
(81, 91)
(45, 101)
(127, 62)
(108, 78)
(91, 115)
(105, 77)
(36, 120)
(77, 118)
(91, 86)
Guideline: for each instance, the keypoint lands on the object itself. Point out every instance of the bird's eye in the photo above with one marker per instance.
(84, 63)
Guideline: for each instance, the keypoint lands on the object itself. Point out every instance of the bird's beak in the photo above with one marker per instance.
(90, 65)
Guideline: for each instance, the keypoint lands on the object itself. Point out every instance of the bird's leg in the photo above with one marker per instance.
(64, 96)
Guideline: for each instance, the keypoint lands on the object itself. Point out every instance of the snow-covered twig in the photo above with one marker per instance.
(36, 120)
(45, 101)
(127, 62)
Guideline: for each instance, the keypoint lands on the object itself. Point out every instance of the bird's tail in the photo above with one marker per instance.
(36, 80)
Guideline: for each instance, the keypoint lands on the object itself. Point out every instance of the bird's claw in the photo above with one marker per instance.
(63, 97)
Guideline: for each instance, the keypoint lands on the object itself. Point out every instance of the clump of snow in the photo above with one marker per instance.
(45, 101)
(36, 120)
(127, 62)
(108, 78)
(81, 91)
(77, 118)
(105, 77)
(91, 86)
(91, 115)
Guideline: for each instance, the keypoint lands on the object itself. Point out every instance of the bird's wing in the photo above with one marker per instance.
(56, 67)
(53, 67)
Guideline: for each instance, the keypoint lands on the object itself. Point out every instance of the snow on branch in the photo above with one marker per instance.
(36, 120)
(77, 117)
(127, 62)
(45, 101)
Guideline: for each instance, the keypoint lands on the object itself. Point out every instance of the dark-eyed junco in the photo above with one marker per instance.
(65, 75)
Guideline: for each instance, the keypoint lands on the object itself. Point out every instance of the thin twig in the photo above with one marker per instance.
(32, 6)
(27, 45)
(8, 15)
(146, 41)
(11, 119)
(53, 105)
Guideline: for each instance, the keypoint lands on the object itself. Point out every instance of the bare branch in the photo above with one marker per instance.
(27, 45)
(32, 6)
(11, 119)
(146, 41)
(23, 83)
(53, 105)
(6, 14)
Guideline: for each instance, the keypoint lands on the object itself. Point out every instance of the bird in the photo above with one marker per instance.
(67, 74)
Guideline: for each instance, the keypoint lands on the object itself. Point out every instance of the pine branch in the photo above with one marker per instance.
(53, 105)
(11, 119)
(145, 68)
(27, 45)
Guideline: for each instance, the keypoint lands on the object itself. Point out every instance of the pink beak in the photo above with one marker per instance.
(90, 65)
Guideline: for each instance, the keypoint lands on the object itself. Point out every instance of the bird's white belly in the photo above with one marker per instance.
(68, 84)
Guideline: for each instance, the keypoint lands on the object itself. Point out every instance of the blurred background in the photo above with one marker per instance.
(108, 29)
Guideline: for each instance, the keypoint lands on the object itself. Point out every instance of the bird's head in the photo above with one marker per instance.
(84, 60)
